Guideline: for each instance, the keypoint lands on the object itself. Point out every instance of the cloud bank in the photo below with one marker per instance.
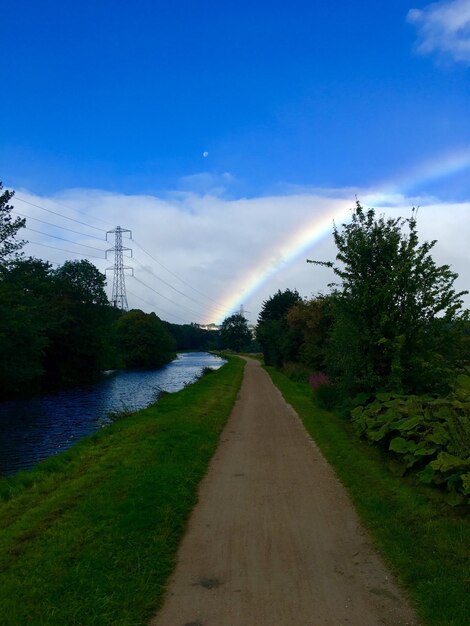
(198, 257)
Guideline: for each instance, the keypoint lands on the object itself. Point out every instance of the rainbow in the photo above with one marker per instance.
(314, 231)
(287, 252)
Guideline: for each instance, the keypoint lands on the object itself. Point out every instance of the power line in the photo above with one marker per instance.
(98, 219)
(165, 297)
(70, 230)
(90, 256)
(39, 232)
(101, 230)
(178, 277)
(157, 307)
(119, 298)
(61, 215)
(169, 284)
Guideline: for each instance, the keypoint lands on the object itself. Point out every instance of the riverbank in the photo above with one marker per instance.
(36, 428)
(89, 536)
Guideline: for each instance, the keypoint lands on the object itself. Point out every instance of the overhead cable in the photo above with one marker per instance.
(156, 307)
(170, 285)
(165, 297)
(39, 232)
(176, 276)
(70, 230)
(91, 256)
(101, 230)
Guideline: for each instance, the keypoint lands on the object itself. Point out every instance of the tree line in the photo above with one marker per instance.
(57, 327)
(393, 321)
(388, 348)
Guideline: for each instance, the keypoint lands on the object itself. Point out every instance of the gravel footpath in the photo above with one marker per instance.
(274, 540)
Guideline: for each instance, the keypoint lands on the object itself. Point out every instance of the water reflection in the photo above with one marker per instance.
(33, 429)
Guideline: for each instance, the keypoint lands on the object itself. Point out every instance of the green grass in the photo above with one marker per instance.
(424, 541)
(89, 536)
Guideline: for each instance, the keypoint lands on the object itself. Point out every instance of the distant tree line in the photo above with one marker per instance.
(57, 327)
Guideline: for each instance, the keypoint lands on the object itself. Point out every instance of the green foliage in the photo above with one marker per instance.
(312, 319)
(296, 371)
(82, 281)
(429, 435)
(192, 337)
(54, 325)
(144, 340)
(278, 342)
(24, 294)
(235, 334)
(9, 228)
(327, 396)
(78, 320)
(395, 309)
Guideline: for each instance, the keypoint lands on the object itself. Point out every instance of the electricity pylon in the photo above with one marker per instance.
(119, 297)
(242, 311)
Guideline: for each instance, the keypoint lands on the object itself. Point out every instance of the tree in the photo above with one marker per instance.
(82, 281)
(25, 291)
(235, 334)
(191, 337)
(396, 313)
(79, 318)
(312, 319)
(279, 343)
(9, 227)
(143, 339)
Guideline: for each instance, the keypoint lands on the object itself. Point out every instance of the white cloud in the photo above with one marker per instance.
(444, 28)
(215, 244)
(206, 182)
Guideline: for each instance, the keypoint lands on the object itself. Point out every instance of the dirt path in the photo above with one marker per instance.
(274, 540)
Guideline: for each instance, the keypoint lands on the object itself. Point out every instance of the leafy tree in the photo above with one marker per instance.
(396, 313)
(192, 337)
(78, 324)
(23, 324)
(144, 340)
(235, 334)
(279, 343)
(312, 319)
(9, 227)
(82, 281)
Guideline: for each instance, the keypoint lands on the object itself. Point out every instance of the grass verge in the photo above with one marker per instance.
(425, 542)
(89, 536)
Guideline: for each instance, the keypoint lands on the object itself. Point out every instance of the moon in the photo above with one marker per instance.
(205, 154)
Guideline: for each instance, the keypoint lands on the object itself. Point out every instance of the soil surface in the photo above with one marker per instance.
(274, 540)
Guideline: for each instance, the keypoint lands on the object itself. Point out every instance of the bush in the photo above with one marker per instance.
(296, 372)
(428, 435)
(328, 397)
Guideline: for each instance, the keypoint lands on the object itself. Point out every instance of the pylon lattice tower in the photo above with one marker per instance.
(119, 297)
(242, 311)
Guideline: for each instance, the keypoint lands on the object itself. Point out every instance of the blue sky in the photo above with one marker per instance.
(282, 97)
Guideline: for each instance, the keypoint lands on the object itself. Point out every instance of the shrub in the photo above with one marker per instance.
(317, 380)
(296, 372)
(428, 435)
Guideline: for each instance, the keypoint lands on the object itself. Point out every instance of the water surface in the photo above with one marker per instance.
(36, 428)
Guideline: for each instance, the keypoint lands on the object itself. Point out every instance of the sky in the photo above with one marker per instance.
(229, 136)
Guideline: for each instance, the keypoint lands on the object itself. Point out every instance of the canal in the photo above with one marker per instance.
(35, 428)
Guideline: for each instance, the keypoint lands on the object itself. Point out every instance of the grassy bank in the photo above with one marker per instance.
(425, 541)
(89, 536)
